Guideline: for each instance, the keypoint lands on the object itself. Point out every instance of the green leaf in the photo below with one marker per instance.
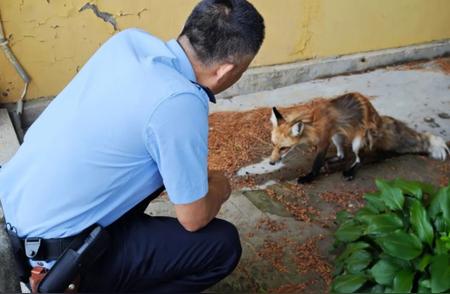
(351, 248)
(350, 231)
(441, 225)
(420, 223)
(384, 271)
(348, 283)
(440, 247)
(342, 216)
(408, 187)
(413, 188)
(446, 239)
(440, 273)
(338, 268)
(400, 244)
(423, 262)
(365, 215)
(401, 263)
(423, 290)
(377, 289)
(441, 203)
(424, 286)
(425, 283)
(358, 261)
(444, 201)
(434, 208)
(384, 224)
(403, 282)
(374, 202)
(392, 197)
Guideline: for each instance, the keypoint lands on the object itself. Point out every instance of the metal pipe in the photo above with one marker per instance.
(17, 116)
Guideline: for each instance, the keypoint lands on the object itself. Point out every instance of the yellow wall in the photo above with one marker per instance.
(52, 38)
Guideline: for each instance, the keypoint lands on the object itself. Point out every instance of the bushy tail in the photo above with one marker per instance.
(396, 136)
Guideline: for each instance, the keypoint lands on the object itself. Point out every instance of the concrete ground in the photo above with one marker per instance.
(287, 229)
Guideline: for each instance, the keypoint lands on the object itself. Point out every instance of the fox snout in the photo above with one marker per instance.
(275, 156)
(272, 162)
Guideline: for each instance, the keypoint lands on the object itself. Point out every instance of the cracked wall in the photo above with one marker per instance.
(54, 38)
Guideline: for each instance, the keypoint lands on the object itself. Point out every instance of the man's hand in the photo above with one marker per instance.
(196, 215)
(218, 181)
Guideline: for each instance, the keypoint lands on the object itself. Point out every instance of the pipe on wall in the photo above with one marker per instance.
(17, 115)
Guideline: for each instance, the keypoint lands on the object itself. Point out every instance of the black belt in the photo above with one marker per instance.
(45, 249)
(72, 254)
(48, 249)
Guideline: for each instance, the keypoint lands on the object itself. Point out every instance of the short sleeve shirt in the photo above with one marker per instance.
(129, 122)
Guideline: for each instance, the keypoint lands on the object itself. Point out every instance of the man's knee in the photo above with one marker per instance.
(228, 236)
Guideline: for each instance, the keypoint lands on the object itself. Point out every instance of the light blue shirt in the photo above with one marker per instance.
(130, 121)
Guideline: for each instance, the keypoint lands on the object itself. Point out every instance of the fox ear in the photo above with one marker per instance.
(297, 128)
(276, 117)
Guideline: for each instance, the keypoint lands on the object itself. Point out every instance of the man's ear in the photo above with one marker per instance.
(276, 117)
(297, 128)
(223, 70)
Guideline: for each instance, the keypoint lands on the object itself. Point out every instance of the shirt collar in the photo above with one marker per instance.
(185, 67)
(208, 92)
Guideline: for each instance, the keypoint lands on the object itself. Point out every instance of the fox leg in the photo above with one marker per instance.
(318, 163)
(349, 174)
(338, 141)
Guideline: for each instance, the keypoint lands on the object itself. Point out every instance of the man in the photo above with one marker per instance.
(135, 118)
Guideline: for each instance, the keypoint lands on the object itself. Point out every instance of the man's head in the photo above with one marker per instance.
(221, 38)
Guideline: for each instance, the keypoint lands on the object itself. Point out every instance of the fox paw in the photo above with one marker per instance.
(305, 179)
(438, 148)
(349, 175)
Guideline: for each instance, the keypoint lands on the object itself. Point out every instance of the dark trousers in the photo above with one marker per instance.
(156, 254)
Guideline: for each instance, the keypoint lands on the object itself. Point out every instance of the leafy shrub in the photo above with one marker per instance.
(399, 242)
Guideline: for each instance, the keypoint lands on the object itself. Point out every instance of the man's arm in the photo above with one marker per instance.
(196, 215)
(177, 140)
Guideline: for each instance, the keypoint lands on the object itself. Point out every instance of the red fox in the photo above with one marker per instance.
(349, 118)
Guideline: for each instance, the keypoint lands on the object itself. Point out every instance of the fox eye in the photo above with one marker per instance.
(284, 148)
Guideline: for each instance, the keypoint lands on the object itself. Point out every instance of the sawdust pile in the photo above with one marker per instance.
(273, 251)
(237, 139)
(444, 64)
(270, 225)
(307, 257)
(350, 201)
(308, 262)
(444, 180)
(413, 65)
(302, 210)
(292, 288)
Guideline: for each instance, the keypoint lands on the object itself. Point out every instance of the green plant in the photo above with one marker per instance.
(399, 242)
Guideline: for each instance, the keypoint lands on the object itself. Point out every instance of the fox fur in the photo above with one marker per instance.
(349, 118)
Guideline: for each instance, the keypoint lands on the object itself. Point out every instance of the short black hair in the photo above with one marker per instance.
(224, 30)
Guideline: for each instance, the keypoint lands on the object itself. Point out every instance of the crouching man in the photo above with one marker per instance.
(132, 123)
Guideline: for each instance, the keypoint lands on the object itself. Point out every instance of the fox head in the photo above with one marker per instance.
(285, 135)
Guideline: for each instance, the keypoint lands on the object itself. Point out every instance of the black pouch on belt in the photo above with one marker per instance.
(23, 267)
(75, 261)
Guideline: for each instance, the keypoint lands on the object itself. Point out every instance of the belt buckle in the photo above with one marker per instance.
(32, 245)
